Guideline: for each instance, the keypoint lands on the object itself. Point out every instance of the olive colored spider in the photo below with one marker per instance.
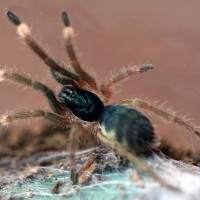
(83, 106)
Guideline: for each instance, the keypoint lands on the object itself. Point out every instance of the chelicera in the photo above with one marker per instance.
(84, 106)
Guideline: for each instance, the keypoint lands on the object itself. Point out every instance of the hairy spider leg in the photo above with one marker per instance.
(62, 80)
(124, 152)
(122, 74)
(88, 167)
(161, 112)
(36, 85)
(68, 34)
(73, 148)
(24, 32)
(9, 118)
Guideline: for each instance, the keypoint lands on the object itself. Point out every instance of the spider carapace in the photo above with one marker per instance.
(83, 105)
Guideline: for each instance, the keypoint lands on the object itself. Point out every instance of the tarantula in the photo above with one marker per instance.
(83, 105)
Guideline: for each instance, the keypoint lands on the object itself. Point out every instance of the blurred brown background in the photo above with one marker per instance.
(109, 35)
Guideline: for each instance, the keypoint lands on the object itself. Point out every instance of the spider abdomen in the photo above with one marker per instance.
(128, 126)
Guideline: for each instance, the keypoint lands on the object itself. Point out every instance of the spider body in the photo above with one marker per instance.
(81, 102)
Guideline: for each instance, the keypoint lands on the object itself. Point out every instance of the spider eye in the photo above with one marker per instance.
(68, 91)
(71, 96)
(67, 95)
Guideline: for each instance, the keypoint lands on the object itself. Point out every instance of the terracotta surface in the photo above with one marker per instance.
(109, 35)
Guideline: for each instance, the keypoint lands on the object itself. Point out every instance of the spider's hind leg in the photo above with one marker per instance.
(131, 156)
(170, 116)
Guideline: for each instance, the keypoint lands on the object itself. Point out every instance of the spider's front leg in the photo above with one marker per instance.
(63, 81)
(24, 32)
(68, 34)
(36, 85)
(170, 116)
